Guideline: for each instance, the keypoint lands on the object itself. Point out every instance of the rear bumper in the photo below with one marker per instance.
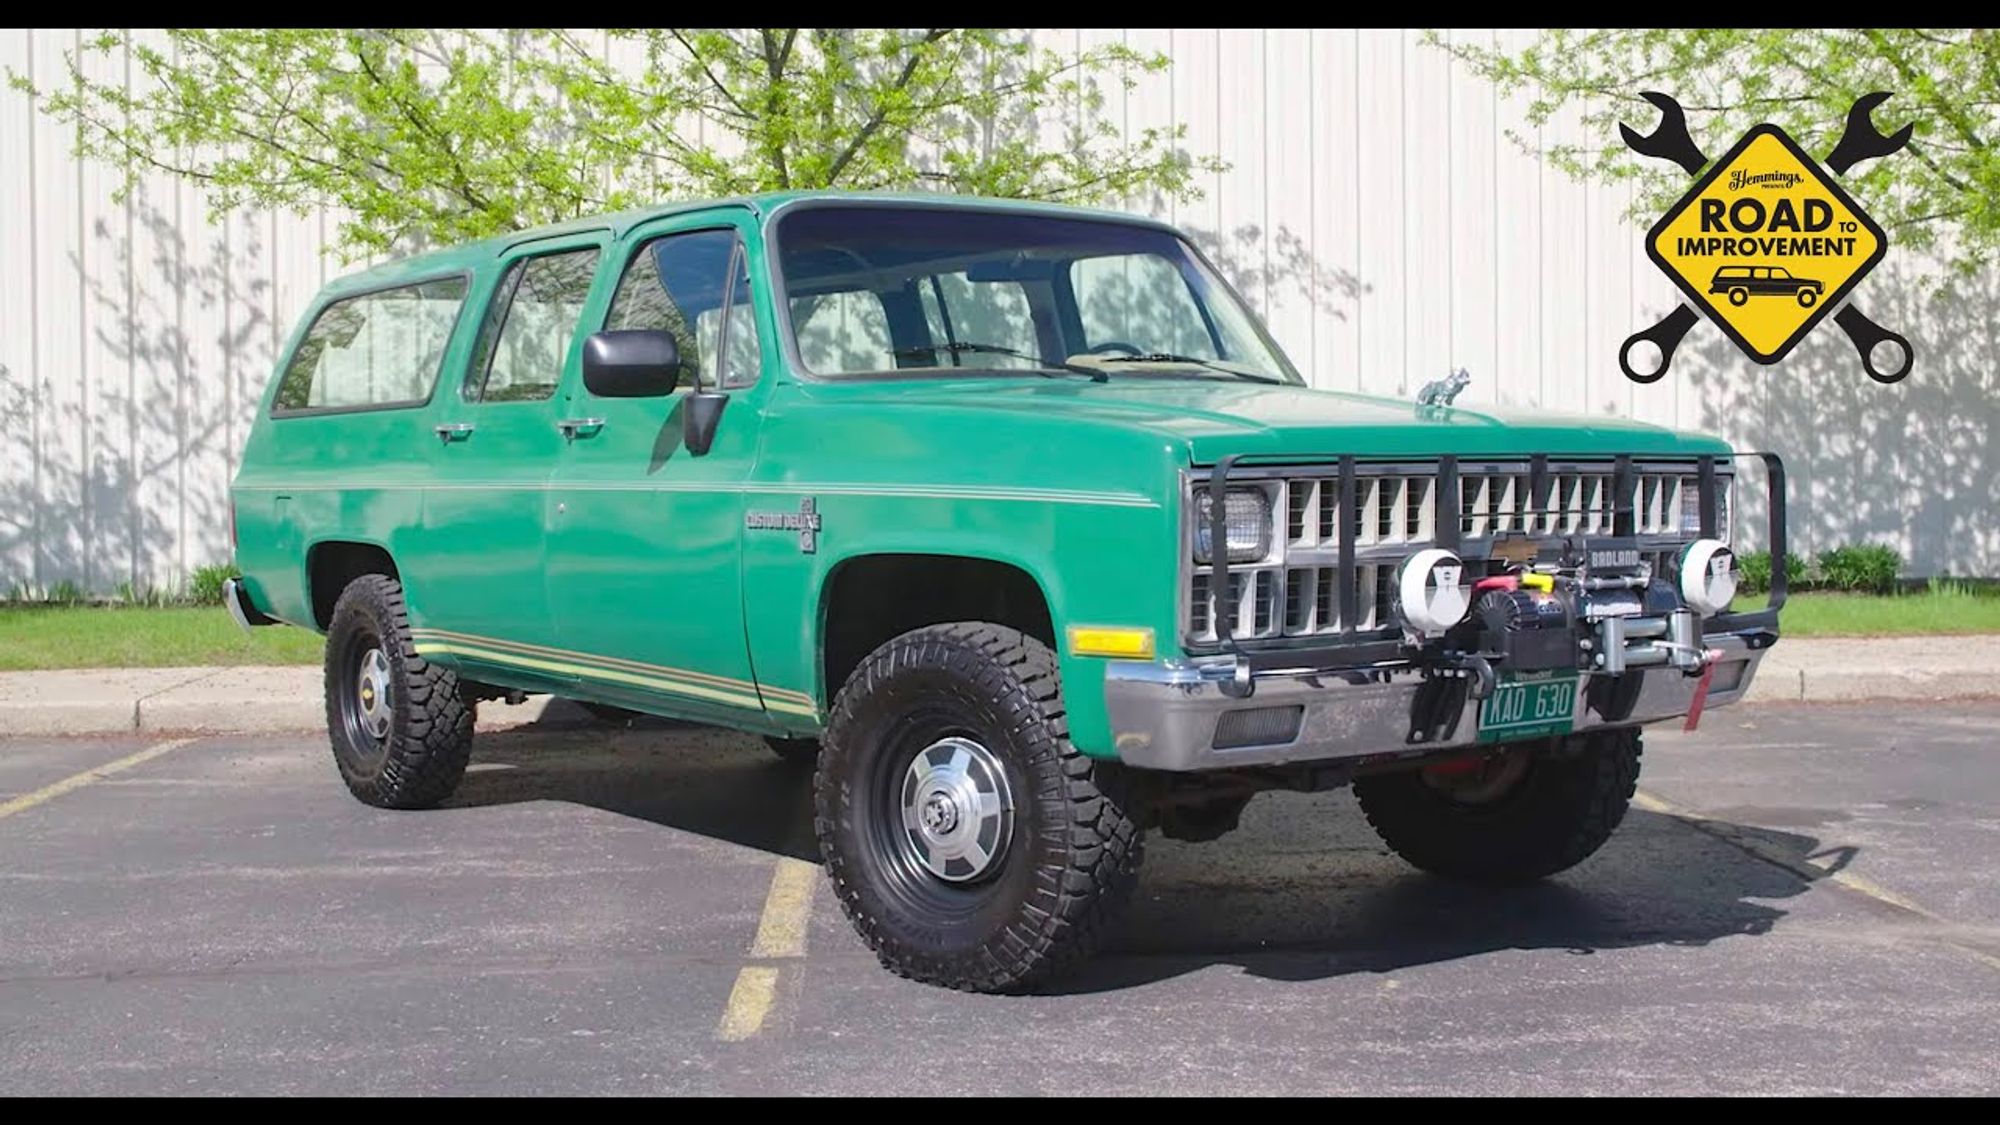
(241, 610)
(1164, 715)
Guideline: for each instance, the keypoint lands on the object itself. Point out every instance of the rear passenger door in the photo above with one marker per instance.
(487, 508)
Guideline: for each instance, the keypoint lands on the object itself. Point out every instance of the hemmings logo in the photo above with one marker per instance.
(1740, 178)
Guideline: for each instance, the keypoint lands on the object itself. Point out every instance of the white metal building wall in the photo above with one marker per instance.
(1375, 211)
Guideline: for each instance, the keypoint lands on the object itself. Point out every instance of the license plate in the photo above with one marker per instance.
(1529, 705)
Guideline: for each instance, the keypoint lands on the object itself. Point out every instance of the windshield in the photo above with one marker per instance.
(903, 289)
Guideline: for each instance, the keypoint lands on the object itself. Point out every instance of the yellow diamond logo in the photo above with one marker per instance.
(1766, 243)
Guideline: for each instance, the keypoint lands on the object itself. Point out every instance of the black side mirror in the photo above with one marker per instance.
(700, 415)
(631, 363)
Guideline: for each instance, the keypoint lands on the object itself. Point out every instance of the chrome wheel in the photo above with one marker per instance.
(372, 702)
(958, 812)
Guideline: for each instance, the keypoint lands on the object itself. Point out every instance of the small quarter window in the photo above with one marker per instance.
(697, 286)
(530, 324)
(380, 349)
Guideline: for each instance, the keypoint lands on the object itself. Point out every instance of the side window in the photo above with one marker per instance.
(845, 330)
(376, 349)
(529, 326)
(1141, 300)
(696, 286)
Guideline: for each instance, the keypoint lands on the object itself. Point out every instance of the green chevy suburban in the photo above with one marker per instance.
(1010, 519)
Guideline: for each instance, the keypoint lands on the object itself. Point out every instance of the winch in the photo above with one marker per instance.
(1594, 605)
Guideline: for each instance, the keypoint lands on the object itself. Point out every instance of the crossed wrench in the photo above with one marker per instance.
(1670, 140)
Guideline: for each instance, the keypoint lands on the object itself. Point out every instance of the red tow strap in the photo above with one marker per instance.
(1701, 691)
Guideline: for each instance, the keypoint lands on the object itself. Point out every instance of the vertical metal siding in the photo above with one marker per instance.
(1376, 211)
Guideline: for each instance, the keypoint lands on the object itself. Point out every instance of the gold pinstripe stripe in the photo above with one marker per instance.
(521, 660)
(606, 661)
(1030, 495)
(606, 667)
(583, 657)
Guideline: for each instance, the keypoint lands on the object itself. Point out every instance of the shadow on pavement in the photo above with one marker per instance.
(1304, 891)
(715, 783)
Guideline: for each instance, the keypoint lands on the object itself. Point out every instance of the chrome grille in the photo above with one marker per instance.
(1295, 592)
(1579, 502)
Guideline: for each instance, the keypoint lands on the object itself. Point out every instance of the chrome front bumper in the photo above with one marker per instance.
(1164, 715)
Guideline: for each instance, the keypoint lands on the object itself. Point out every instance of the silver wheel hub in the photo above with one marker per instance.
(958, 812)
(371, 694)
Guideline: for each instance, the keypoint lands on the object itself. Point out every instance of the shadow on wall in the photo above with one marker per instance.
(1286, 265)
(125, 478)
(1911, 464)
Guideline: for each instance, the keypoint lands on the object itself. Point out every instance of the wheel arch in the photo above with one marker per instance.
(870, 597)
(333, 563)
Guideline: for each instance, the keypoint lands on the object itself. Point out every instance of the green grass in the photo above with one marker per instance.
(86, 636)
(1942, 609)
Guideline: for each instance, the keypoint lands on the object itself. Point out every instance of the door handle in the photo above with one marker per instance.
(453, 431)
(573, 428)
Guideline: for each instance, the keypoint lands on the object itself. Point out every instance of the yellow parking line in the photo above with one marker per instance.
(782, 930)
(781, 933)
(75, 782)
(749, 1002)
(1802, 866)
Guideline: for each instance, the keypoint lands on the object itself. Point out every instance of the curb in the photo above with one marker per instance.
(288, 698)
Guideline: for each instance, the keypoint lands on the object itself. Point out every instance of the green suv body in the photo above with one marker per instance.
(921, 487)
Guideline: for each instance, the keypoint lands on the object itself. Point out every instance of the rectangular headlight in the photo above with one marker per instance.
(1246, 514)
(1691, 508)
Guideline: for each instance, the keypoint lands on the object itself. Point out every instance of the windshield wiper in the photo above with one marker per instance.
(1212, 365)
(1048, 367)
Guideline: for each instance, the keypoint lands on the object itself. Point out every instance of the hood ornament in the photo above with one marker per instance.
(1440, 392)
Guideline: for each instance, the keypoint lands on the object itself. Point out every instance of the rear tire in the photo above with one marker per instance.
(1562, 803)
(970, 844)
(401, 726)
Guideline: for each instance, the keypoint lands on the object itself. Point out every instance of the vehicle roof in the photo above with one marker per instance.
(463, 256)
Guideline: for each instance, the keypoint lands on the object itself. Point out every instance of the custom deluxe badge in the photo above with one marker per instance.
(1766, 243)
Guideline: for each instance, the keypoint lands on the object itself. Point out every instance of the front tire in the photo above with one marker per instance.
(1738, 295)
(1513, 819)
(1808, 298)
(969, 843)
(401, 725)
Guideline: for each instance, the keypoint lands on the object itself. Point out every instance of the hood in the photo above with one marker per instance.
(1215, 418)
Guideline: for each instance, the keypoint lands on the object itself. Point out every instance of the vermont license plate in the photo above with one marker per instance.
(1529, 705)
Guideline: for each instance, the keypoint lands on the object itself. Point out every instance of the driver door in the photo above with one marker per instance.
(645, 539)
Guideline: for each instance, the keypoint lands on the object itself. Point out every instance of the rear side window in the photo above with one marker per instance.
(529, 327)
(846, 330)
(380, 349)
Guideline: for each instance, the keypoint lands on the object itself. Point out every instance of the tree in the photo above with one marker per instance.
(420, 136)
(1942, 192)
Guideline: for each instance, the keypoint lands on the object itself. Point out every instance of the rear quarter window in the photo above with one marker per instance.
(374, 350)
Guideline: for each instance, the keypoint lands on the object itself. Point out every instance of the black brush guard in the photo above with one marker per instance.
(1759, 628)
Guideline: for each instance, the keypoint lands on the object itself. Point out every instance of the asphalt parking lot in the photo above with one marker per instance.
(1803, 902)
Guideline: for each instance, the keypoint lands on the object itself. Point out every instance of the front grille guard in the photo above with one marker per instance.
(1759, 627)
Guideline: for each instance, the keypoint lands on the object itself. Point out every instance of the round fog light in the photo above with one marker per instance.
(1429, 598)
(1707, 576)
